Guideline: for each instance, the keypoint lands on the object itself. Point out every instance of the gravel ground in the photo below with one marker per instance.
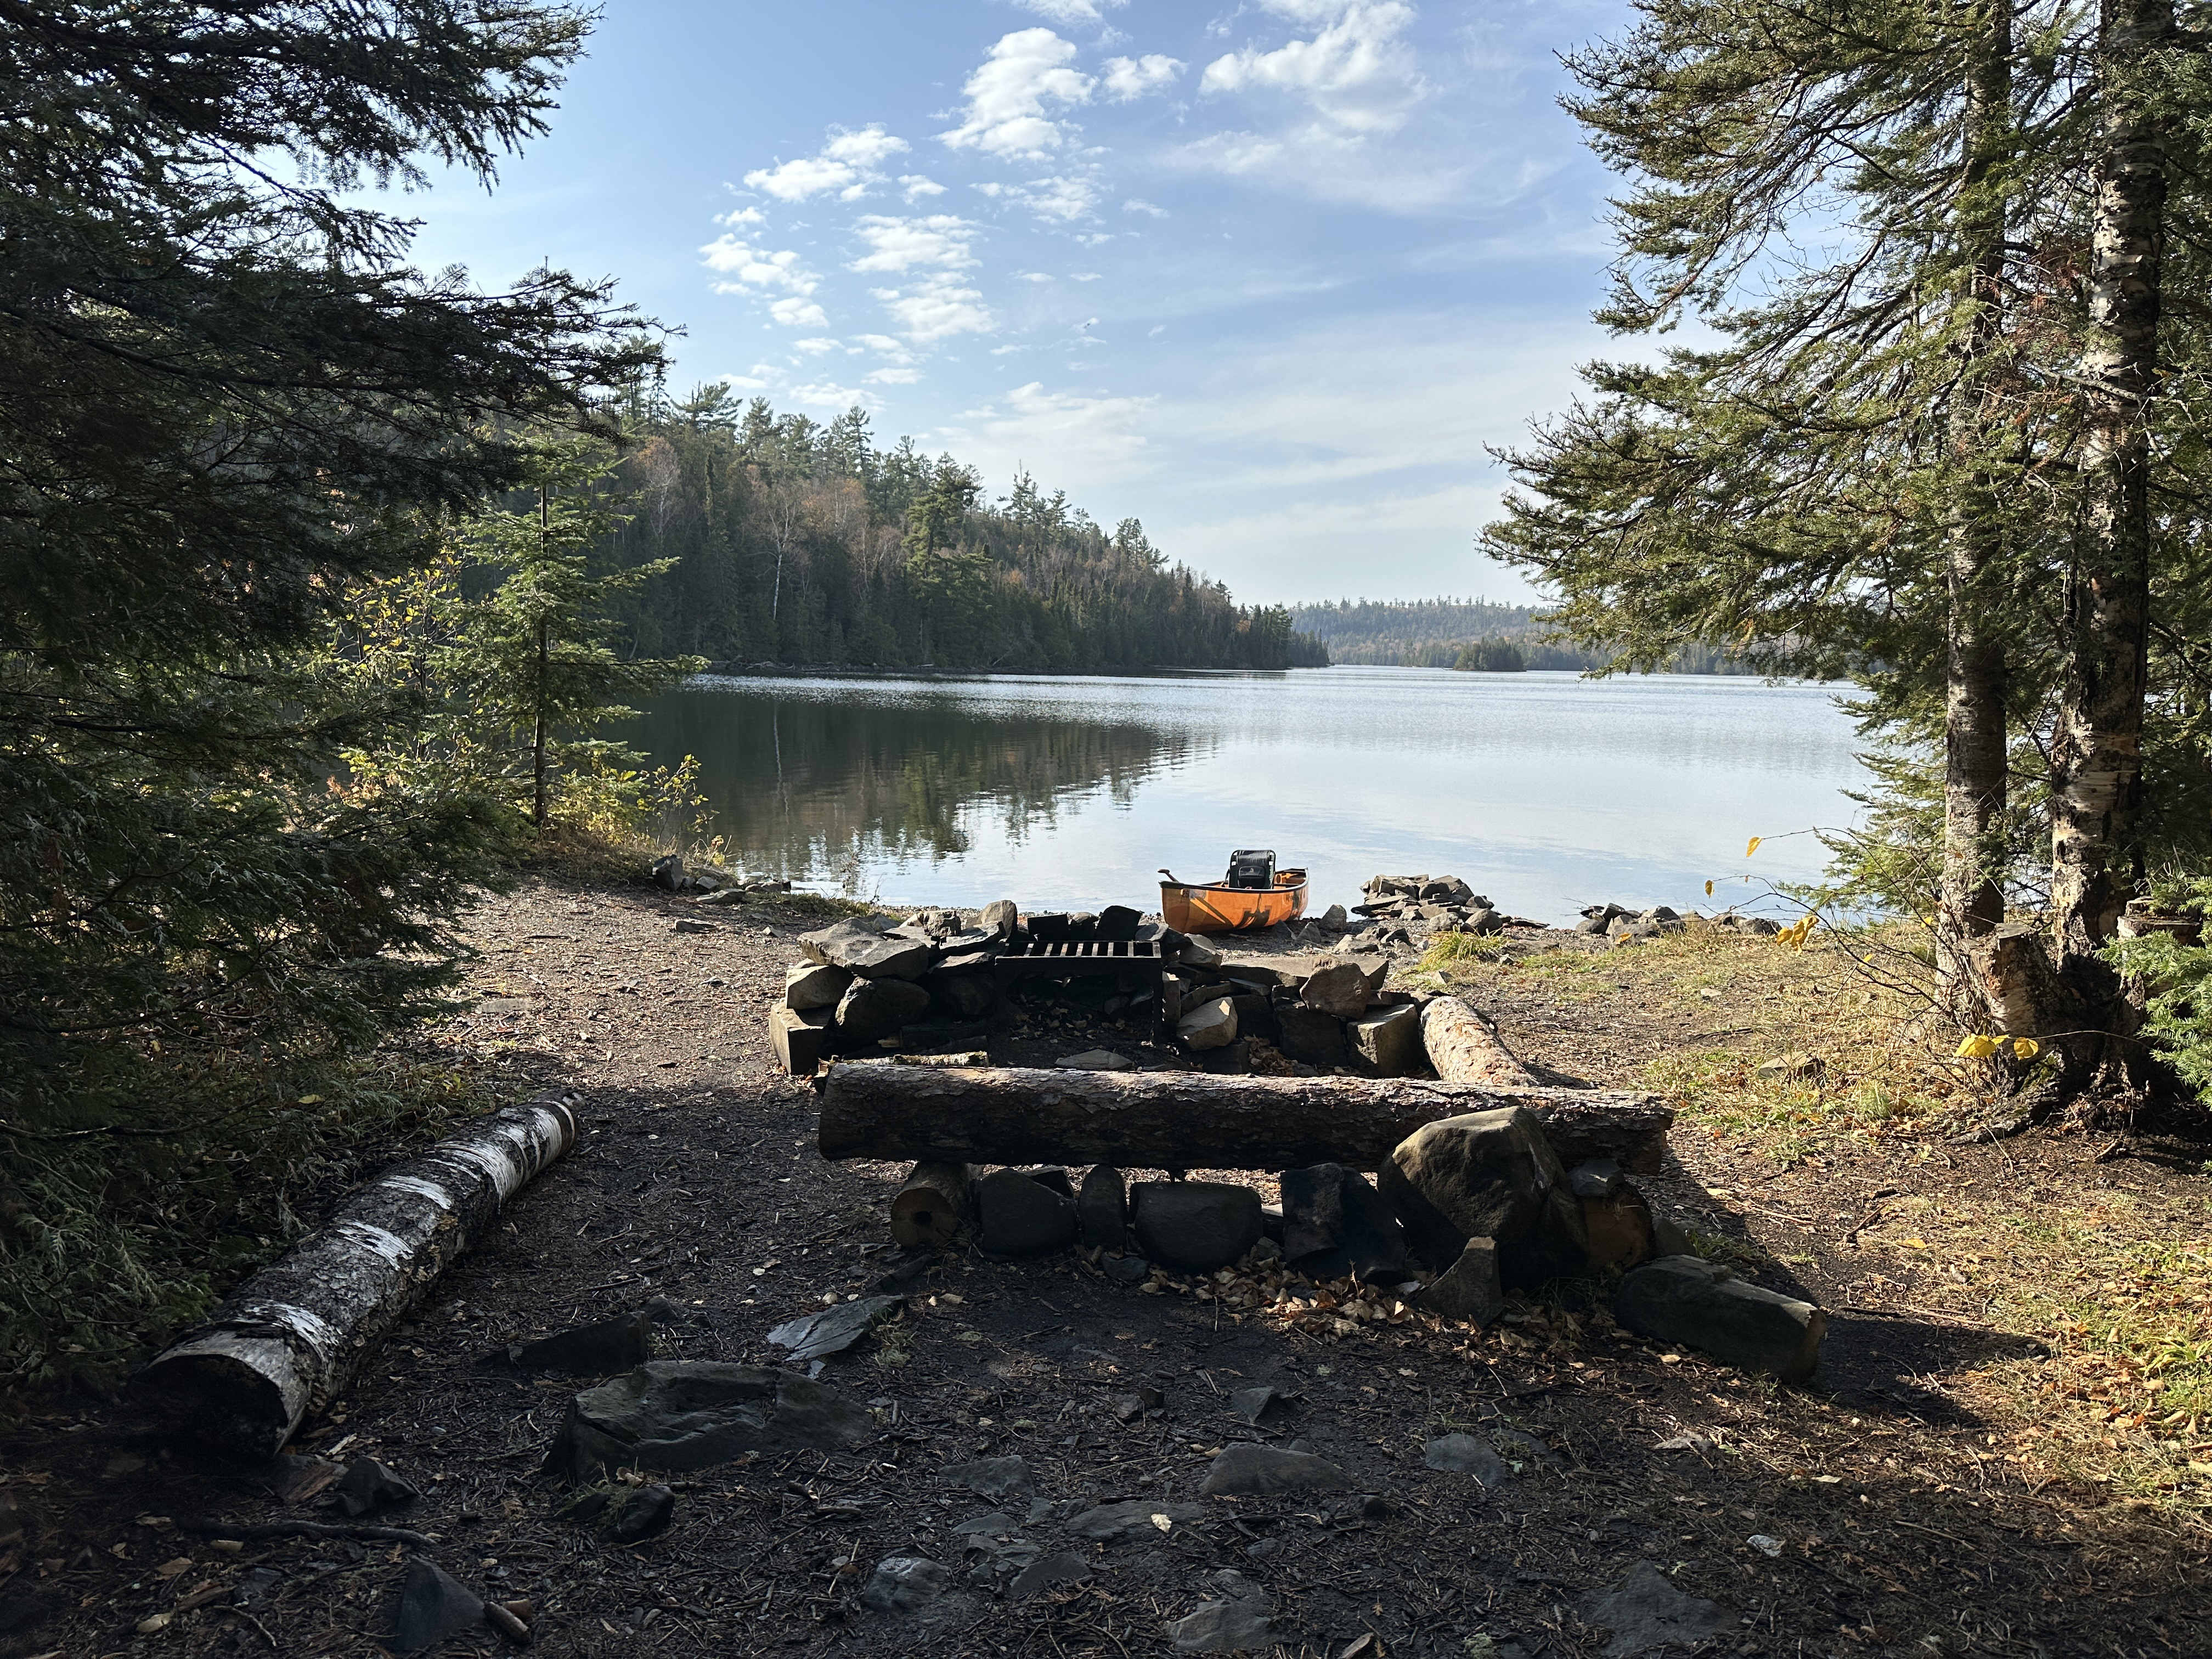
(1872, 1512)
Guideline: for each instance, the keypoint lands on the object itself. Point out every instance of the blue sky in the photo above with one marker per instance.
(1268, 278)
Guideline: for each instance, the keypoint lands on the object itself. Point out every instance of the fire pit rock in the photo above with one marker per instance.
(1196, 1226)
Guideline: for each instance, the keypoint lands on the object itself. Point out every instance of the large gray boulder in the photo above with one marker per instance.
(1195, 1225)
(1488, 1175)
(1022, 1216)
(1338, 987)
(860, 944)
(875, 1008)
(690, 1413)
(1701, 1304)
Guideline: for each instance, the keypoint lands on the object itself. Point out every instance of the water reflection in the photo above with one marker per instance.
(832, 779)
(1545, 791)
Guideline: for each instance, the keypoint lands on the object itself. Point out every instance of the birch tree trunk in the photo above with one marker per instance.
(1974, 770)
(2097, 752)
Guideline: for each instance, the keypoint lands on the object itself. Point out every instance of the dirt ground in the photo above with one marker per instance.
(1980, 1465)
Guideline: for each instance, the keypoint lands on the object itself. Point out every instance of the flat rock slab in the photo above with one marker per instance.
(1047, 1571)
(990, 1477)
(1224, 1627)
(1095, 1060)
(595, 1350)
(692, 1413)
(1260, 1471)
(860, 946)
(1689, 1300)
(1136, 1519)
(1462, 1454)
(1646, 1613)
(815, 1336)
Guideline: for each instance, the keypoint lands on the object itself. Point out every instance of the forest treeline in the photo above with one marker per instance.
(1473, 633)
(798, 541)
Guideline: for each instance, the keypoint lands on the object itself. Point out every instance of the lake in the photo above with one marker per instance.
(1547, 791)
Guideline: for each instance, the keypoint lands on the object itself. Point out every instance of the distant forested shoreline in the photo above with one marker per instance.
(802, 542)
(1467, 633)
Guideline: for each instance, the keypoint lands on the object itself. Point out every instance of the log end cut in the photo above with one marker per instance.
(242, 1393)
(931, 1210)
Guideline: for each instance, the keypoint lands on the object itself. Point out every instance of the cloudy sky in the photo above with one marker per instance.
(1268, 276)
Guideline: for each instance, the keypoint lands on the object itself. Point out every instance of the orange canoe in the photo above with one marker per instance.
(1214, 907)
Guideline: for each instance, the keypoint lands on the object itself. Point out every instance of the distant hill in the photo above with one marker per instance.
(1437, 633)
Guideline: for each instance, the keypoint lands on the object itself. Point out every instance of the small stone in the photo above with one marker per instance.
(1197, 953)
(1022, 1216)
(668, 873)
(1135, 1520)
(1309, 1036)
(369, 1485)
(1254, 1404)
(1686, 1299)
(1001, 916)
(1645, 1612)
(1335, 919)
(1048, 1570)
(1212, 1024)
(687, 925)
(814, 985)
(1198, 1226)
(431, 1607)
(1126, 1269)
(1333, 1224)
(1102, 1209)
(1462, 1454)
(1798, 1067)
(640, 1513)
(1769, 1548)
(1096, 1060)
(905, 1584)
(678, 1414)
(1468, 1289)
(1259, 1471)
(990, 1477)
(1116, 922)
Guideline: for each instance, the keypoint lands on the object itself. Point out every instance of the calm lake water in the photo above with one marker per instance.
(1547, 791)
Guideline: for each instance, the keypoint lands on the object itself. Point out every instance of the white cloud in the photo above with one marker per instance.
(1085, 276)
(1071, 11)
(798, 313)
(1357, 74)
(891, 376)
(936, 308)
(814, 347)
(894, 350)
(1034, 276)
(865, 147)
(846, 164)
(744, 216)
(1059, 198)
(917, 186)
(1128, 78)
(938, 241)
(1077, 441)
(1137, 204)
(749, 267)
(828, 394)
(1007, 95)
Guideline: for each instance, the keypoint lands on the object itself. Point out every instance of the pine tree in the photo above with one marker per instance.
(224, 402)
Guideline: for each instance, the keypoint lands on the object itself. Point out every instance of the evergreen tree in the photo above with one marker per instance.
(224, 400)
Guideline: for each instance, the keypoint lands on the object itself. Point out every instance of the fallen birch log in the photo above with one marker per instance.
(288, 1339)
(1193, 1121)
(1464, 1048)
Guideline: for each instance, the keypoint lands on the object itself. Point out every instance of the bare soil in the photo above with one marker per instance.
(1926, 1494)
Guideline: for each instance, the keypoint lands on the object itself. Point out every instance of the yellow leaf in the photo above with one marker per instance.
(2026, 1047)
(1708, 889)
(1751, 846)
(1914, 1243)
(1977, 1048)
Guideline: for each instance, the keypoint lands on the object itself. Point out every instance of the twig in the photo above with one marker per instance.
(207, 1528)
